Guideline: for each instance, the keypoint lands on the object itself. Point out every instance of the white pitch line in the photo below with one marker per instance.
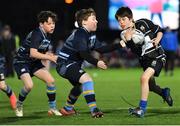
(122, 108)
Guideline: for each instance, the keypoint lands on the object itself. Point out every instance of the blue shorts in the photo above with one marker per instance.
(30, 68)
(70, 70)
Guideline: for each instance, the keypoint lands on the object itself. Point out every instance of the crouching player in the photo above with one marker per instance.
(27, 62)
(143, 37)
(76, 49)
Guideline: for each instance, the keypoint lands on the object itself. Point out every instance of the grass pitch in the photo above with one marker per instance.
(110, 86)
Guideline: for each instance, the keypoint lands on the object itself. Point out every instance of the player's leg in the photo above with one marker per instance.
(73, 96)
(163, 92)
(7, 89)
(144, 93)
(23, 73)
(154, 87)
(44, 75)
(73, 72)
(28, 85)
(89, 95)
(145, 87)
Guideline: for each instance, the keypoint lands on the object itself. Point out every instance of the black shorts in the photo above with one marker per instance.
(70, 70)
(156, 64)
(30, 68)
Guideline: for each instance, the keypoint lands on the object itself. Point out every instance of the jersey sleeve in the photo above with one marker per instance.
(155, 28)
(35, 40)
(108, 48)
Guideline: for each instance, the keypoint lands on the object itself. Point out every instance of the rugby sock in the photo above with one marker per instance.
(8, 91)
(72, 98)
(51, 93)
(89, 95)
(70, 103)
(143, 105)
(23, 94)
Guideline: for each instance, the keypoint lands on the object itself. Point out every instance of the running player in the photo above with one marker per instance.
(77, 49)
(27, 62)
(149, 51)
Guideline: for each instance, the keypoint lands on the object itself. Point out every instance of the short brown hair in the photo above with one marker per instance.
(124, 12)
(44, 15)
(83, 14)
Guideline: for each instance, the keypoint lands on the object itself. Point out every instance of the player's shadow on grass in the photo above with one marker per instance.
(106, 111)
(32, 116)
(115, 110)
(40, 113)
(10, 120)
(156, 112)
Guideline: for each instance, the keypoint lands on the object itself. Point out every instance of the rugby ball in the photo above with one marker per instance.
(138, 37)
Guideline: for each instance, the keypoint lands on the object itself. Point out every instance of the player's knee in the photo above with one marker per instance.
(29, 87)
(85, 78)
(2, 86)
(50, 81)
(144, 79)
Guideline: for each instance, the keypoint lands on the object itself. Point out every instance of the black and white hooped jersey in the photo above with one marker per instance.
(36, 39)
(150, 30)
(79, 40)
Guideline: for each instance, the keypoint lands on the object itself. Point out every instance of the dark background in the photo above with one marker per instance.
(21, 16)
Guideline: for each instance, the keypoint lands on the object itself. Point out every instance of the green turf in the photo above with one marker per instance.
(110, 86)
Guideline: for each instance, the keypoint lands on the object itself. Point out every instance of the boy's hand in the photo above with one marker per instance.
(155, 42)
(53, 58)
(101, 64)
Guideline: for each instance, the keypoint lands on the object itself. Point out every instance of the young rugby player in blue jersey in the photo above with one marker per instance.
(27, 62)
(75, 51)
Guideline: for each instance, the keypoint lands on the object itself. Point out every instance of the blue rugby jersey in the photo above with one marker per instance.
(79, 45)
(35, 39)
(79, 40)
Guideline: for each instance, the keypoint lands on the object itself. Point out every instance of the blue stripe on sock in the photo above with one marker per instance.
(143, 105)
(52, 104)
(69, 108)
(24, 93)
(51, 89)
(91, 103)
(88, 86)
(92, 108)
